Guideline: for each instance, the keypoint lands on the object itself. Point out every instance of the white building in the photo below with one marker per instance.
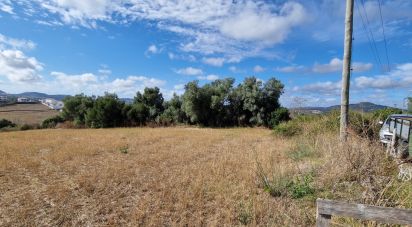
(23, 99)
(3, 98)
(53, 104)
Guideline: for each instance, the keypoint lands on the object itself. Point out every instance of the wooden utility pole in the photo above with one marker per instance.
(347, 55)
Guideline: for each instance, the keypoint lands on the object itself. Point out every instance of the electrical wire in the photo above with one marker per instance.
(372, 43)
(384, 36)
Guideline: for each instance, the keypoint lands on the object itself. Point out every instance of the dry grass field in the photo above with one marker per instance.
(142, 176)
(187, 177)
(26, 113)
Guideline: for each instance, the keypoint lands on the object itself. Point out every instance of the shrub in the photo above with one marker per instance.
(6, 123)
(301, 187)
(288, 129)
(244, 214)
(299, 152)
(52, 122)
(124, 149)
(25, 127)
(278, 116)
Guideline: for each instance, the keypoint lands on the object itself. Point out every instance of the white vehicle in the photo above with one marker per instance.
(385, 135)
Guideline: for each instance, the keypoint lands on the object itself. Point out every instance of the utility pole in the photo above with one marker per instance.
(347, 55)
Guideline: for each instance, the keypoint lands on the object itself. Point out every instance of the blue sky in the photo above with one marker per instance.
(122, 46)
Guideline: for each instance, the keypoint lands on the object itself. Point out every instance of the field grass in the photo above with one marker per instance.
(142, 176)
(188, 177)
(26, 113)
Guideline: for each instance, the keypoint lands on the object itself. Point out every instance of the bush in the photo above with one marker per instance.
(301, 187)
(288, 129)
(299, 152)
(25, 127)
(278, 116)
(52, 122)
(6, 123)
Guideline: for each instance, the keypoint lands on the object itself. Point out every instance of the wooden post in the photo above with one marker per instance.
(347, 55)
(326, 208)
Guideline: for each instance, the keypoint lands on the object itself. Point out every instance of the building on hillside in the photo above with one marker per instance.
(4, 98)
(53, 104)
(24, 100)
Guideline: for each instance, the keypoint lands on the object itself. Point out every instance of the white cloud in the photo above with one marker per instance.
(207, 27)
(214, 61)
(153, 49)
(327, 87)
(258, 69)
(75, 81)
(233, 69)
(329, 16)
(334, 65)
(18, 67)
(7, 42)
(253, 22)
(210, 77)
(92, 84)
(105, 71)
(399, 78)
(190, 71)
(6, 8)
(291, 69)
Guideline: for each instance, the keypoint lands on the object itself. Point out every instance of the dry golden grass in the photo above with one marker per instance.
(26, 113)
(142, 176)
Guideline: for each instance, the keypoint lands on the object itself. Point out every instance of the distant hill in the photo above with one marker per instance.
(362, 106)
(38, 95)
(35, 95)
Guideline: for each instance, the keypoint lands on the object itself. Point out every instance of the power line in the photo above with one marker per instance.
(371, 45)
(384, 36)
(371, 33)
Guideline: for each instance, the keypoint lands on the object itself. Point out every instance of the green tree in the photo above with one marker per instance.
(76, 107)
(152, 99)
(173, 112)
(106, 112)
(208, 105)
(137, 114)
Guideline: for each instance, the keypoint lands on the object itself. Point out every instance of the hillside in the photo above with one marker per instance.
(26, 113)
(38, 95)
(362, 106)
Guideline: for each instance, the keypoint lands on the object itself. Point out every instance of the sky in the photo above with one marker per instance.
(122, 46)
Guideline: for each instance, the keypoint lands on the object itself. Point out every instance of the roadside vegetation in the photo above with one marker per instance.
(216, 104)
(357, 171)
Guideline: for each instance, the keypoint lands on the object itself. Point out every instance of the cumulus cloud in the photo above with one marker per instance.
(7, 42)
(75, 80)
(334, 65)
(210, 77)
(327, 87)
(258, 69)
(291, 69)
(258, 23)
(400, 77)
(91, 83)
(18, 67)
(190, 71)
(6, 7)
(214, 61)
(208, 27)
(153, 49)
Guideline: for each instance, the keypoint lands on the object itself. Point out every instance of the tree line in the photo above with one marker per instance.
(216, 104)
